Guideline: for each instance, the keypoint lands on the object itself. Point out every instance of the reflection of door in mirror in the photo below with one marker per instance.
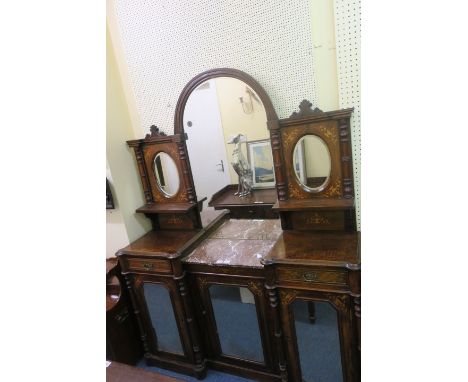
(215, 112)
(205, 144)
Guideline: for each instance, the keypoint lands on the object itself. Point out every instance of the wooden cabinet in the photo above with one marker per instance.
(123, 341)
(257, 205)
(162, 306)
(320, 267)
(269, 289)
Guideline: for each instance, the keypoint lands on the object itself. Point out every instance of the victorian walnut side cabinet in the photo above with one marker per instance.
(266, 286)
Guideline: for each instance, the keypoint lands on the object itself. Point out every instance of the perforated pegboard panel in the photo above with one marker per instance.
(348, 51)
(167, 42)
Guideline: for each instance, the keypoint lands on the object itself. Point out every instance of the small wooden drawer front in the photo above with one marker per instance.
(149, 265)
(253, 212)
(321, 220)
(306, 276)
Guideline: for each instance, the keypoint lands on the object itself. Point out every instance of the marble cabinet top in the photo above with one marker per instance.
(237, 243)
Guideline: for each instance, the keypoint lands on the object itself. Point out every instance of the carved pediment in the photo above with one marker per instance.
(155, 132)
(305, 108)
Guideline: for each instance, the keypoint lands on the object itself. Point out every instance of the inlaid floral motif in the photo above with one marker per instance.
(256, 288)
(334, 189)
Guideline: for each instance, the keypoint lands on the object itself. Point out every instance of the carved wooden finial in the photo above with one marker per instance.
(305, 108)
(155, 132)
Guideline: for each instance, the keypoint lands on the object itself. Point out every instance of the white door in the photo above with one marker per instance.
(205, 144)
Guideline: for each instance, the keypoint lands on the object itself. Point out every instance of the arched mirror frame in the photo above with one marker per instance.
(214, 73)
(272, 117)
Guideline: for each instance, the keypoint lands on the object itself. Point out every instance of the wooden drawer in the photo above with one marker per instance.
(253, 212)
(318, 220)
(306, 276)
(149, 265)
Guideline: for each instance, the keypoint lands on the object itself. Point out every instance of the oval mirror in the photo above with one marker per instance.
(312, 163)
(167, 175)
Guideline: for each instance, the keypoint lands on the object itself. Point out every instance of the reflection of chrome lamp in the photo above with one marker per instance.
(241, 167)
(248, 106)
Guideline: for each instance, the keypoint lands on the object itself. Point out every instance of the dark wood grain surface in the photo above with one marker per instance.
(159, 243)
(174, 208)
(119, 372)
(316, 204)
(225, 197)
(323, 248)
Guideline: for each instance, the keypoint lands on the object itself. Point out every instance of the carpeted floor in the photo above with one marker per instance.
(238, 331)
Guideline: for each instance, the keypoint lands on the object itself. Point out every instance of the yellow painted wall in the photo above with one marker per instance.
(317, 158)
(323, 39)
(233, 118)
(116, 233)
(121, 161)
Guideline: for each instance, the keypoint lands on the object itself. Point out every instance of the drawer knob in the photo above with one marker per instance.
(310, 276)
(148, 266)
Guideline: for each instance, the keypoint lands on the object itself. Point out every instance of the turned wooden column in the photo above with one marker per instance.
(136, 145)
(129, 279)
(270, 286)
(346, 158)
(355, 281)
(277, 152)
(273, 300)
(186, 172)
(197, 356)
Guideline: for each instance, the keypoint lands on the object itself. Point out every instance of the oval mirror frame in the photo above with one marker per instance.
(161, 175)
(300, 163)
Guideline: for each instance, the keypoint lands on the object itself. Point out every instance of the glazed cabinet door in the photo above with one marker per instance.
(161, 317)
(319, 336)
(235, 322)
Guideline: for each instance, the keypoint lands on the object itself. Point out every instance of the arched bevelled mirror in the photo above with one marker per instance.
(167, 175)
(227, 126)
(312, 163)
(224, 113)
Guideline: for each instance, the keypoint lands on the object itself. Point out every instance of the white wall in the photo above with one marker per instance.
(348, 35)
(166, 43)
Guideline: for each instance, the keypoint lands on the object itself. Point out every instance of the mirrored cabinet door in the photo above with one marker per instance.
(236, 322)
(162, 317)
(318, 341)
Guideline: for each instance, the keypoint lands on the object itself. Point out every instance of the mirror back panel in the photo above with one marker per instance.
(164, 167)
(313, 160)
